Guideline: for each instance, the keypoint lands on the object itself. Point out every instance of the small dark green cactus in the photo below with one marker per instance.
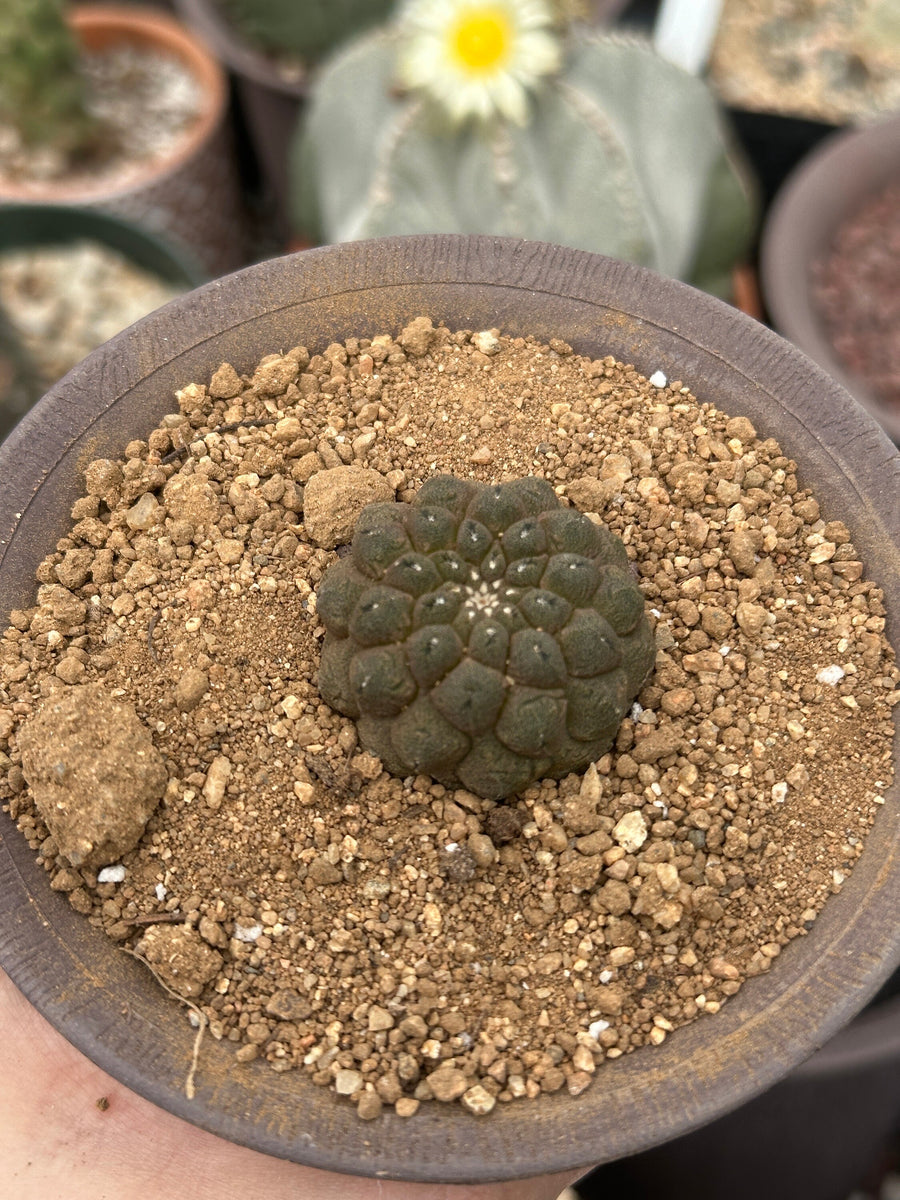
(484, 635)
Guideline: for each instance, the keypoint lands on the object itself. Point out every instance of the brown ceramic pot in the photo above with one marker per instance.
(826, 189)
(192, 194)
(83, 984)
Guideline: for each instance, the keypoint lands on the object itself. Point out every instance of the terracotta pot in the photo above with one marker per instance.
(827, 188)
(82, 983)
(192, 194)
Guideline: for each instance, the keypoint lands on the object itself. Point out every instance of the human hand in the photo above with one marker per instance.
(68, 1131)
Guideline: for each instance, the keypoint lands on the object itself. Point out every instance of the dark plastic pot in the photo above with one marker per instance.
(57, 224)
(269, 104)
(30, 225)
(827, 188)
(817, 1135)
(81, 982)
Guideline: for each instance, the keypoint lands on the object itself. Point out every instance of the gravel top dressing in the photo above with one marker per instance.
(856, 286)
(400, 940)
(146, 102)
(825, 60)
(64, 301)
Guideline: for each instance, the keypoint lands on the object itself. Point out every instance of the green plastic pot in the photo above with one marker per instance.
(24, 226)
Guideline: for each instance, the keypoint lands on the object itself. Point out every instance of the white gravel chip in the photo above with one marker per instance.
(658, 379)
(247, 933)
(113, 874)
(830, 675)
(630, 832)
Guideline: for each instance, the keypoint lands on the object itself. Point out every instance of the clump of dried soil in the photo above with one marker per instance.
(400, 941)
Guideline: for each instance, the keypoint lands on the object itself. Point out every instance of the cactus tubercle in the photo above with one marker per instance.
(483, 634)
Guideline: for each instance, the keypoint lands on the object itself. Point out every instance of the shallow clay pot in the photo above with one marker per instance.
(83, 984)
(828, 186)
(192, 194)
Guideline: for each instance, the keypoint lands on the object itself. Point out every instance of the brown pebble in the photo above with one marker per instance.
(369, 1106)
(503, 823)
(742, 548)
(180, 957)
(447, 1084)
(191, 688)
(658, 744)
(225, 383)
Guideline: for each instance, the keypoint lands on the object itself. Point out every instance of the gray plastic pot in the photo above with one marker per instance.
(828, 187)
(78, 979)
(817, 1134)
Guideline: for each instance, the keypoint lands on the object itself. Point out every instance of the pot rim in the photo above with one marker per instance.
(59, 224)
(74, 976)
(827, 187)
(101, 25)
(238, 55)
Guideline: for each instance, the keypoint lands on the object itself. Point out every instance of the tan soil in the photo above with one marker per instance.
(398, 941)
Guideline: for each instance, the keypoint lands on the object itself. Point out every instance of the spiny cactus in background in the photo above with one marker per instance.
(484, 635)
(426, 126)
(305, 28)
(41, 87)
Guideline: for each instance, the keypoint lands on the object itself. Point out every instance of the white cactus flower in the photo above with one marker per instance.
(477, 59)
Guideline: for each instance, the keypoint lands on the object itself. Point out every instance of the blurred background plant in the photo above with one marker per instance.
(304, 31)
(833, 61)
(42, 89)
(508, 118)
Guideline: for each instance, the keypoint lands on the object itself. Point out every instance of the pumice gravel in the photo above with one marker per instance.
(401, 940)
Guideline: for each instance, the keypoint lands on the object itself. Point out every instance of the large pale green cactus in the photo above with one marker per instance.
(306, 28)
(621, 153)
(41, 89)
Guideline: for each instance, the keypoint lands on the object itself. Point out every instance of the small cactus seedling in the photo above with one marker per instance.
(483, 634)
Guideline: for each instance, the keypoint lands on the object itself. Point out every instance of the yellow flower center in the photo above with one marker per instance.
(481, 40)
